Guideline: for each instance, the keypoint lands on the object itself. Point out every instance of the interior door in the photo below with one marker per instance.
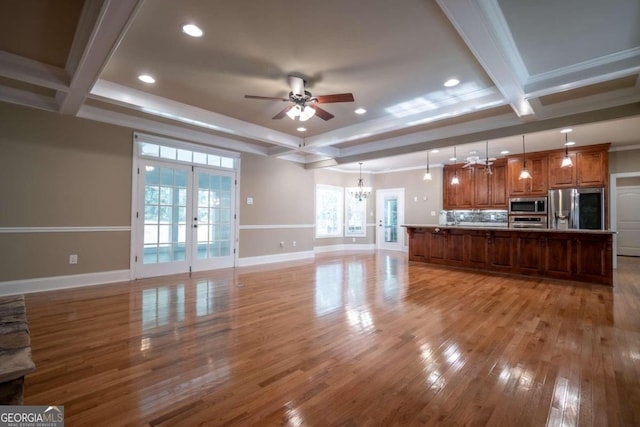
(628, 220)
(389, 218)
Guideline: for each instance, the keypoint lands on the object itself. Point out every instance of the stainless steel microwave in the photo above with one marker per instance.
(527, 205)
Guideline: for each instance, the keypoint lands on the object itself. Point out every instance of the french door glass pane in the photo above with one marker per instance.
(214, 215)
(390, 220)
(165, 217)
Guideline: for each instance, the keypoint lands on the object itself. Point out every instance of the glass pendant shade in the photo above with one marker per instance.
(427, 176)
(294, 112)
(566, 162)
(455, 180)
(525, 173)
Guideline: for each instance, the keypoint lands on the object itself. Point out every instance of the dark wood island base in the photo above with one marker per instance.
(581, 255)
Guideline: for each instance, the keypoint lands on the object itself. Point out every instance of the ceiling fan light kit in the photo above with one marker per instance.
(303, 103)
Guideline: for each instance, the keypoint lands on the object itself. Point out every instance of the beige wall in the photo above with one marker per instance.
(624, 161)
(283, 195)
(62, 171)
(417, 209)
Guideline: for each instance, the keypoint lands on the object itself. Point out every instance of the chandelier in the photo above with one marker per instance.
(362, 192)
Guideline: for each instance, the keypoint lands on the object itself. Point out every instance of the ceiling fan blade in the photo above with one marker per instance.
(338, 97)
(296, 84)
(265, 97)
(323, 114)
(283, 113)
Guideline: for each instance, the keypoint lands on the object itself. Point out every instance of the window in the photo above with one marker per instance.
(329, 211)
(356, 214)
(166, 152)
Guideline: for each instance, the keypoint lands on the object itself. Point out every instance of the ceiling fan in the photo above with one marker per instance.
(476, 160)
(303, 103)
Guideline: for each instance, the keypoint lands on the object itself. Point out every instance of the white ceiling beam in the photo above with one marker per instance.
(481, 100)
(152, 104)
(33, 72)
(166, 129)
(484, 30)
(28, 99)
(609, 67)
(101, 26)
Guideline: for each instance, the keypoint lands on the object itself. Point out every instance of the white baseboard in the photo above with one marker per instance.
(27, 286)
(333, 248)
(267, 259)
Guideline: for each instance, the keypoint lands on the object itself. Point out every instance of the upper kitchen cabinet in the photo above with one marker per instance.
(537, 185)
(490, 190)
(590, 167)
(458, 196)
(476, 188)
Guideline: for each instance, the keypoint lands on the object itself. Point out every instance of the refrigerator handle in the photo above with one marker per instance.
(575, 209)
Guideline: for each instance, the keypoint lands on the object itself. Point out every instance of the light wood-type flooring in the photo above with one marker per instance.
(351, 339)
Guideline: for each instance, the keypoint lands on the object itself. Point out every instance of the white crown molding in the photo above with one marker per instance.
(5, 230)
(43, 284)
(590, 103)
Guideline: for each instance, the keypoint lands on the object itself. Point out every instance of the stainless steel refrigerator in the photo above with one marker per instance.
(576, 208)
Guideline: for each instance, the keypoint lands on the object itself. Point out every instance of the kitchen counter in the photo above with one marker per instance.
(582, 255)
(504, 226)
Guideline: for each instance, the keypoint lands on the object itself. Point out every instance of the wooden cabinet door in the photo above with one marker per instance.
(482, 189)
(537, 185)
(560, 177)
(538, 167)
(464, 196)
(449, 191)
(498, 185)
(516, 186)
(591, 168)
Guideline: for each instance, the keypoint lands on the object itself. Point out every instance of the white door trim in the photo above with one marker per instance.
(380, 244)
(613, 209)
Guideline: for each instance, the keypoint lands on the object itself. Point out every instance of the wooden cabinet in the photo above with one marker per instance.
(458, 196)
(476, 189)
(590, 167)
(537, 165)
(585, 256)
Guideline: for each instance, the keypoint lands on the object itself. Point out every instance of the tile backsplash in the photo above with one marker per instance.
(473, 216)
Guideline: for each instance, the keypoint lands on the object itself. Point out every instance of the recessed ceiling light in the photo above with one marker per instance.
(570, 143)
(504, 152)
(566, 130)
(435, 151)
(301, 129)
(452, 83)
(452, 159)
(192, 30)
(472, 152)
(360, 111)
(146, 78)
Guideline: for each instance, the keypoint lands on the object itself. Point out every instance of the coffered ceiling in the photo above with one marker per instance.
(524, 68)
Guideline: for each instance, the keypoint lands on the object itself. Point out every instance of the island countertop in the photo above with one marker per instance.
(496, 227)
(583, 255)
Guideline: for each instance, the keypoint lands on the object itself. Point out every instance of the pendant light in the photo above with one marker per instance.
(487, 164)
(362, 192)
(427, 176)
(566, 162)
(455, 180)
(525, 173)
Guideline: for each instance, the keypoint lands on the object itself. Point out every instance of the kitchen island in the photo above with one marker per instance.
(583, 255)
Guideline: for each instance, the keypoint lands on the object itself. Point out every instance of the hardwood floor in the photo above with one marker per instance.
(350, 339)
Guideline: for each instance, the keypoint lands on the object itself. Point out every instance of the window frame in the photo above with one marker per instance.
(349, 201)
(339, 193)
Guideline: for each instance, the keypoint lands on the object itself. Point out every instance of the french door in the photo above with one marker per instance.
(390, 217)
(186, 219)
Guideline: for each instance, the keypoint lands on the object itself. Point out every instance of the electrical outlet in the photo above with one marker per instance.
(294, 244)
(433, 213)
(73, 259)
(493, 217)
(353, 240)
(282, 244)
